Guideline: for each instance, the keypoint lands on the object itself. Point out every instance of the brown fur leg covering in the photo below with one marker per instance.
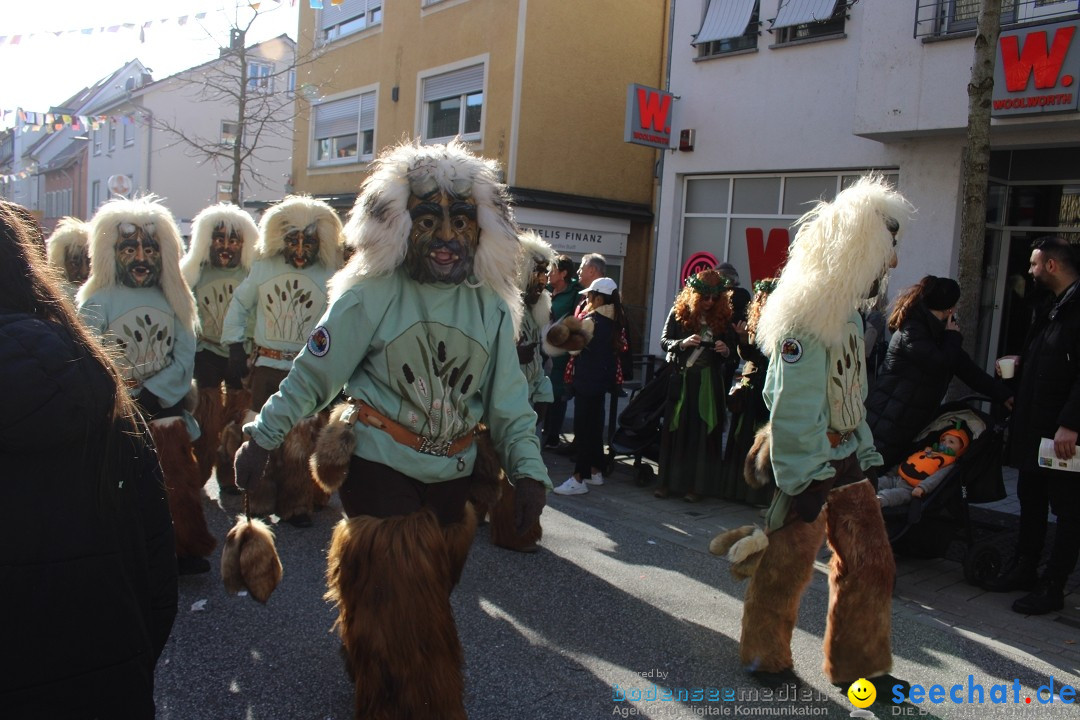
(237, 404)
(504, 532)
(296, 488)
(772, 600)
(210, 414)
(459, 538)
(391, 579)
(861, 577)
(183, 486)
(486, 474)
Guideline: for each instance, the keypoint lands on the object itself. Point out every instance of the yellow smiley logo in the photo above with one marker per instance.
(862, 693)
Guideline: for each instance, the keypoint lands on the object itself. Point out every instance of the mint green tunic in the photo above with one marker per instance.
(436, 358)
(213, 292)
(811, 389)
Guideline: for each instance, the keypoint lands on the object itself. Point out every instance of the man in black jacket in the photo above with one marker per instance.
(1047, 406)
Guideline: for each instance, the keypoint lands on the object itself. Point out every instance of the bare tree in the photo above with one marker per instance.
(265, 107)
(976, 167)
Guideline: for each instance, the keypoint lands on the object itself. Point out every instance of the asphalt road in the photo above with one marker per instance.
(617, 604)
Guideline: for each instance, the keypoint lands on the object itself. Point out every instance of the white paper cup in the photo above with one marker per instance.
(1007, 367)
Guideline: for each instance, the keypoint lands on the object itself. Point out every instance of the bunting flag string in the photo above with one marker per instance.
(142, 26)
(31, 121)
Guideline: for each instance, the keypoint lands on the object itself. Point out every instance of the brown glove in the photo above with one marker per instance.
(250, 463)
(530, 497)
(526, 353)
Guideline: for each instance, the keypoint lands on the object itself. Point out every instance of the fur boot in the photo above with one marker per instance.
(249, 560)
(210, 414)
(861, 577)
(183, 486)
(391, 580)
(504, 532)
(772, 600)
(296, 488)
(334, 449)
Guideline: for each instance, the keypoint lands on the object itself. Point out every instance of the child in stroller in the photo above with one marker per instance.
(639, 426)
(926, 526)
(923, 470)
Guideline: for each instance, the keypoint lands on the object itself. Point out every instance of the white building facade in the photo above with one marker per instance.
(784, 102)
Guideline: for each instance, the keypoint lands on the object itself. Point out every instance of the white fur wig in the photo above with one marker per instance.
(840, 249)
(296, 212)
(535, 250)
(379, 224)
(202, 231)
(104, 235)
(70, 234)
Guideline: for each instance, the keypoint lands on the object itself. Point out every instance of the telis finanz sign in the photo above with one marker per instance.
(1036, 70)
(648, 116)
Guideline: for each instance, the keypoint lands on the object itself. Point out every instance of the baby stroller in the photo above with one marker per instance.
(927, 526)
(639, 425)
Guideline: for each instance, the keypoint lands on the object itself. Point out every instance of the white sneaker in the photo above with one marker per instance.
(571, 487)
(596, 479)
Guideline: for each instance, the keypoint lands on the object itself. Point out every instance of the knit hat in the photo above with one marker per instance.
(941, 293)
(962, 433)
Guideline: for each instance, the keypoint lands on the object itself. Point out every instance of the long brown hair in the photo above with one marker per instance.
(30, 285)
(762, 288)
(691, 315)
(908, 299)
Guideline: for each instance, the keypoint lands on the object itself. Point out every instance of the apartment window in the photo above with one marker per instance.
(229, 131)
(348, 17)
(97, 140)
(129, 132)
(224, 191)
(727, 27)
(260, 77)
(454, 104)
(804, 19)
(95, 194)
(344, 130)
(112, 136)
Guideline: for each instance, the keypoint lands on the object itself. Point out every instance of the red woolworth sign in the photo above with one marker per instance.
(1036, 71)
(648, 116)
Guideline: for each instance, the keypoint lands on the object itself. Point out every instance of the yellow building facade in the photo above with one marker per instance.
(538, 85)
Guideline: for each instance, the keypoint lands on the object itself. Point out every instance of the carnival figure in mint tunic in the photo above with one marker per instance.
(223, 239)
(421, 337)
(276, 308)
(137, 300)
(822, 451)
(69, 252)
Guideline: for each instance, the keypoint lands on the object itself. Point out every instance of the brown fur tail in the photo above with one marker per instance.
(757, 470)
(183, 484)
(743, 546)
(249, 560)
(334, 450)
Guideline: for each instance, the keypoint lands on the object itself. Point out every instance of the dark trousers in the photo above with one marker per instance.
(553, 421)
(211, 370)
(589, 433)
(381, 491)
(1040, 491)
(264, 383)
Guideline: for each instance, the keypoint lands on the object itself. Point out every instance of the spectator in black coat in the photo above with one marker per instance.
(924, 354)
(86, 548)
(1047, 406)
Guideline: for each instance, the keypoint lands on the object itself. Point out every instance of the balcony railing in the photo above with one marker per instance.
(937, 18)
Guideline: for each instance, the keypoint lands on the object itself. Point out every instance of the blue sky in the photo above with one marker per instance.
(46, 69)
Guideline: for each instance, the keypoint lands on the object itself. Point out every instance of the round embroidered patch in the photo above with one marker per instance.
(319, 342)
(790, 350)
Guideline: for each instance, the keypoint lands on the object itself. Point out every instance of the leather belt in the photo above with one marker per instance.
(276, 354)
(836, 438)
(420, 443)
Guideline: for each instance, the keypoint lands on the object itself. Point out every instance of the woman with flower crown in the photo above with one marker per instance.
(698, 338)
